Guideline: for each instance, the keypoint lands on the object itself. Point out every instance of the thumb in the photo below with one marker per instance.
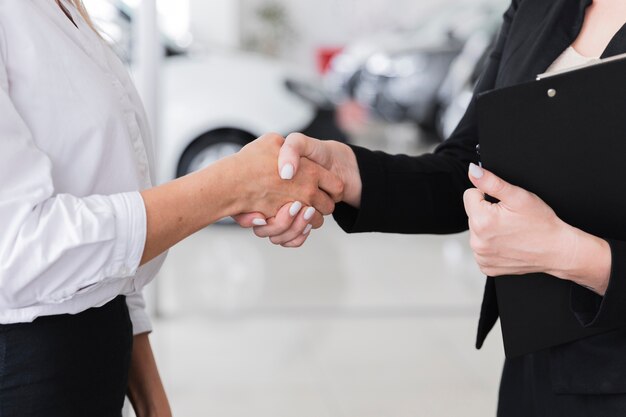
(492, 185)
(297, 146)
(249, 220)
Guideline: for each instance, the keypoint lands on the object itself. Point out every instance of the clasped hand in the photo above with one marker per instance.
(301, 160)
(298, 194)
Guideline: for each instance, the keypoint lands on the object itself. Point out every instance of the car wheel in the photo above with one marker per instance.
(210, 148)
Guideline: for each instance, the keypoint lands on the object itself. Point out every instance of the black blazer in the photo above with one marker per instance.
(424, 194)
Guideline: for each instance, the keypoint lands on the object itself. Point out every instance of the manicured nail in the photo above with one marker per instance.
(307, 229)
(295, 208)
(287, 172)
(308, 214)
(259, 222)
(476, 171)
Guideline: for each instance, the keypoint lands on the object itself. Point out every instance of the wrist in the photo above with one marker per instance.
(584, 259)
(346, 167)
(222, 186)
(154, 410)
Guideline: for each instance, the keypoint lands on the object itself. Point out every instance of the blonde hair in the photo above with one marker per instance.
(83, 12)
(78, 4)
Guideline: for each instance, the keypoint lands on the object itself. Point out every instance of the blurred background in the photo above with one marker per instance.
(349, 326)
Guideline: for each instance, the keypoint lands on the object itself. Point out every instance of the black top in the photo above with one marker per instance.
(424, 194)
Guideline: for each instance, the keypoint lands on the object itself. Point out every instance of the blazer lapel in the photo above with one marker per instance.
(617, 45)
(533, 53)
(567, 24)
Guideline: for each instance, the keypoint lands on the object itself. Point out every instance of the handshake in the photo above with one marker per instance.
(285, 187)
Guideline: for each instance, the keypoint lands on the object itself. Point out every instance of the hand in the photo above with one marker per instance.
(298, 148)
(290, 228)
(521, 234)
(261, 189)
(336, 157)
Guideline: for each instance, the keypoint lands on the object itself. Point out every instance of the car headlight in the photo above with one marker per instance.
(403, 65)
(378, 65)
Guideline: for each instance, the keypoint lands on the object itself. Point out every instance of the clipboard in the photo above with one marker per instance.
(562, 137)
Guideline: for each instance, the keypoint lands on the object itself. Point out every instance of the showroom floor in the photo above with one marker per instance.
(349, 326)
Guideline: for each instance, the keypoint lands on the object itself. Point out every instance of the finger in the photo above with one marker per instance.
(249, 220)
(331, 184)
(491, 184)
(276, 138)
(282, 222)
(301, 226)
(317, 221)
(326, 180)
(295, 147)
(323, 203)
(473, 199)
(298, 242)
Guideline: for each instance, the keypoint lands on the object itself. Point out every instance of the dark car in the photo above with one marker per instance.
(404, 85)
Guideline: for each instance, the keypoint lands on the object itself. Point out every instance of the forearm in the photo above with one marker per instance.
(182, 207)
(405, 194)
(247, 182)
(145, 389)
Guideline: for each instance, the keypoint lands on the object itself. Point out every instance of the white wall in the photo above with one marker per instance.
(337, 22)
(216, 22)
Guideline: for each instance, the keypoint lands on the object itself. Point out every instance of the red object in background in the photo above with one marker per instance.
(325, 54)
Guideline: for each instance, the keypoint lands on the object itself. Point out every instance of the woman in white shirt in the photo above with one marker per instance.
(83, 227)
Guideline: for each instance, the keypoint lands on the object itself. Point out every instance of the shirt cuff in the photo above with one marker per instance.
(138, 314)
(609, 311)
(131, 231)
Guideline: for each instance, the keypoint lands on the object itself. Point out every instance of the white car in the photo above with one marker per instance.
(215, 102)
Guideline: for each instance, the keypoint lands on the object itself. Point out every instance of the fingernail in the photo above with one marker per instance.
(259, 222)
(287, 172)
(295, 208)
(307, 229)
(308, 214)
(476, 171)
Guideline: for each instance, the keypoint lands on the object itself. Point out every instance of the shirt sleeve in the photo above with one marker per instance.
(138, 314)
(423, 194)
(55, 246)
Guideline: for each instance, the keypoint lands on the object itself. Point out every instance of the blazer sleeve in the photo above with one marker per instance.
(609, 311)
(422, 194)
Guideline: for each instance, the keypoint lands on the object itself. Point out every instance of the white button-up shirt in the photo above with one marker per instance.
(75, 151)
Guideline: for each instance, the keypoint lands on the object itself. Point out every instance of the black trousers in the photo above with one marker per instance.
(534, 386)
(67, 365)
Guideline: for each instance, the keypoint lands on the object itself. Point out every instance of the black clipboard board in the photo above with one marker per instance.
(562, 137)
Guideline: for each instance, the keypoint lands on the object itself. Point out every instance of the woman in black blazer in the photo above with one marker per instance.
(427, 194)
